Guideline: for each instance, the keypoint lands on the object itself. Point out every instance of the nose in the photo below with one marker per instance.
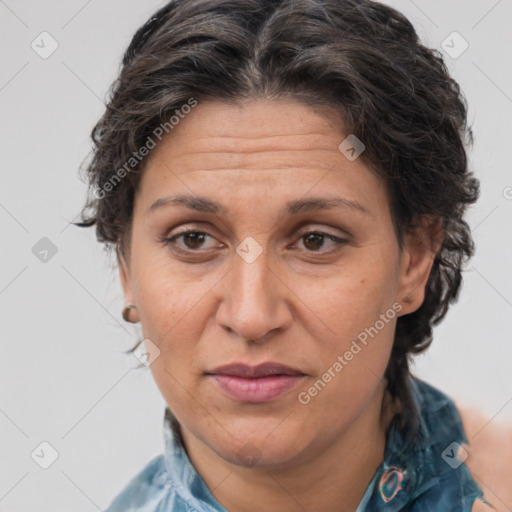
(255, 300)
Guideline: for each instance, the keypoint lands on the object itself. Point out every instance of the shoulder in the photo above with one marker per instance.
(432, 400)
(439, 416)
(490, 455)
(143, 488)
(438, 478)
(483, 448)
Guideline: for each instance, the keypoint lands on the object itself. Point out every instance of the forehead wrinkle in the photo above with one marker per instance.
(258, 157)
(328, 151)
(269, 137)
(235, 163)
(256, 144)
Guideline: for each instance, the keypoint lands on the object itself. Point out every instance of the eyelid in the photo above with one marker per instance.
(302, 228)
(338, 241)
(170, 239)
(313, 227)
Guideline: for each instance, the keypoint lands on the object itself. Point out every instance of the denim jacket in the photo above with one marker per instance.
(425, 476)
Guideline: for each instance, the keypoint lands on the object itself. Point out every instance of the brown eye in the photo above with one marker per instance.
(314, 241)
(192, 240)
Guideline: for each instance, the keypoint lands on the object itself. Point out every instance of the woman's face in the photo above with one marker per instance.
(251, 179)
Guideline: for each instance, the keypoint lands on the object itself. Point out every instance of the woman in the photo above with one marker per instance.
(284, 183)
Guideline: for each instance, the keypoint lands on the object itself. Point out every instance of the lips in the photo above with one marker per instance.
(255, 384)
(262, 370)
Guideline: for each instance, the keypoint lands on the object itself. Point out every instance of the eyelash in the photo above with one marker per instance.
(169, 241)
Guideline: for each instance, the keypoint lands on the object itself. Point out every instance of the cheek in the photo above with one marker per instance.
(352, 366)
(166, 297)
(350, 301)
(354, 338)
(172, 312)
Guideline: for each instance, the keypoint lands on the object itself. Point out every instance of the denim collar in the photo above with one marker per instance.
(421, 472)
(182, 475)
(412, 466)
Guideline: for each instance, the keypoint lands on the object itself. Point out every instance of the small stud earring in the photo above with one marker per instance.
(126, 312)
(408, 300)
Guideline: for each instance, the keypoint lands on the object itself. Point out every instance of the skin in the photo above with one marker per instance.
(302, 302)
(489, 457)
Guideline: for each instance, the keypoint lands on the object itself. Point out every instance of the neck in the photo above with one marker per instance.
(334, 479)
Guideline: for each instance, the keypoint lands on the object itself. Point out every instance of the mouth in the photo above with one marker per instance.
(255, 384)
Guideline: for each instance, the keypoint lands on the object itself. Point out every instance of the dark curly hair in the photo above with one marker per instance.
(360, 58)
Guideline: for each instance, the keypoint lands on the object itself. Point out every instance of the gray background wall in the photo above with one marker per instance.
(64, 378)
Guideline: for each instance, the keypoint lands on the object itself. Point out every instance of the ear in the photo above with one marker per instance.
(126, 284)
(421, 244)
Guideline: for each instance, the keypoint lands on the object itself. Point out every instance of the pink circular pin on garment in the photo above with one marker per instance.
(390, 483)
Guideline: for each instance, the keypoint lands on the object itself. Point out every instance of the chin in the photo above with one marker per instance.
(258, 449)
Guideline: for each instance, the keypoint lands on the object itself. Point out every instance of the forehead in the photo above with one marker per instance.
(259, 118)
(239, 135)
(260, 148)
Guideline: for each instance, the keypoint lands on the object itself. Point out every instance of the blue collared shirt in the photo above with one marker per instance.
(425, 476)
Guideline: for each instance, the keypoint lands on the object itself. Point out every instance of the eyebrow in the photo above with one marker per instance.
(206, 205)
